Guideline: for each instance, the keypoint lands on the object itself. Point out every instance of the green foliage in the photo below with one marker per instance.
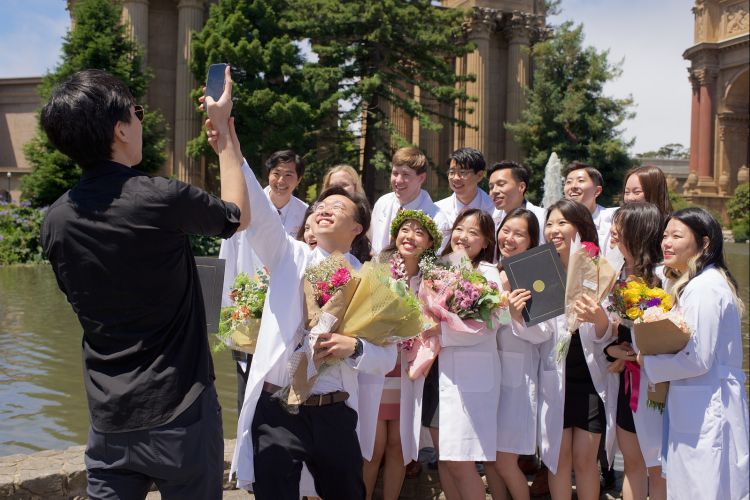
(372, 54)
(205, 246)
(673, 150)
(567, 112)
(280, 103)
(678, 201)
(19, 234)
(738, 211)
(100, 41)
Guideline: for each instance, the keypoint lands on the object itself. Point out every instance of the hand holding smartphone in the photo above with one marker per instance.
(215, 80)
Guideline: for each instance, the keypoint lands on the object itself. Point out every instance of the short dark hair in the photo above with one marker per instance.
(285, 156)
(468, 158)
(80, 116)
(486, 227)
(532, 224)
(520, 173)
(361, 243)
(593, 173)
(578, 215)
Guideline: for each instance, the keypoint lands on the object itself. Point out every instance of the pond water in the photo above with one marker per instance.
(42, 401)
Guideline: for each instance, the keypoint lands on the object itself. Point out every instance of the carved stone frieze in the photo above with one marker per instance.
(481, 22)
(737, 19)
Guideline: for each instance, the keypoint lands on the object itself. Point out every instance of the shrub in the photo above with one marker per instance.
(741, 231)
(19, 233)
(205, 246)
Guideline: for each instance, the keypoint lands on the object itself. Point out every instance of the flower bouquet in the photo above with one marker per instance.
(367, 304)
(239, 324)
(588, 274)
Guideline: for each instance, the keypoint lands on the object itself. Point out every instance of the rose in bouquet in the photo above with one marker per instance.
(239, 324)
(588, 274)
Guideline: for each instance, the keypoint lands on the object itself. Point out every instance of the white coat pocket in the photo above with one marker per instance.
(512, 364)
(474, 371)
(690, 408)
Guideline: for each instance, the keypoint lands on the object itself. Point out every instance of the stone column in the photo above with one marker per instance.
(706, 128)
(517, 32)
(135, 18)
(187, 122)
(694, 133)
(477, 62)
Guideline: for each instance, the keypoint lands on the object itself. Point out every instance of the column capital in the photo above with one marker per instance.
(705, 76)
(523, 27)
(481, 22)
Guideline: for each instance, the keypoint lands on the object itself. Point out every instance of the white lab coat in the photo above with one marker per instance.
(385, 211)
(707, 454)
(541, 216)
(603, 221)
(552, 384)
(286, 260)
(469, 369)
(518, 347)
(450, 207)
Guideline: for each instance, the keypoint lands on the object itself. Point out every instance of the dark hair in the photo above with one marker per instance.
(361, 244)
(703, 225)
(520, 173)
(654, 185)
(532, 224)
(594, 174)
(301, 231)
(80, 116)
(641, 226)
(285, 156)
(578, 215)
(487, 228)
(468, 158)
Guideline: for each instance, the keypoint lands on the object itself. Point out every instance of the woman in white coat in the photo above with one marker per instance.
(578, 395)
(707, 443)
(468, 372)
(518, 346)
(413, 235)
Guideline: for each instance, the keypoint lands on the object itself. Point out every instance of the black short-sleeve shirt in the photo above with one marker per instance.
(118, 244)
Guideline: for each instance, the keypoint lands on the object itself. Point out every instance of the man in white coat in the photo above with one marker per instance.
(466, 168)
(285, 170)
(408, 173)
(272, 445)
(583, 183)
(508, 182)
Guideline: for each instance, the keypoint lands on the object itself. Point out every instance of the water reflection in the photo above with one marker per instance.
(42, 401)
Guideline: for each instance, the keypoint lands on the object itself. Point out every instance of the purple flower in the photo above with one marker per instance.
(656, 301)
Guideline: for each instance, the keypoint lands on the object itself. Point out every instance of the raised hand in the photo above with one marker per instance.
(516, 302)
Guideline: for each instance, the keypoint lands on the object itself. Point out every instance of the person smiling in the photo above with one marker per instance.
(508, 183)
(408, 173)
(583, 183)
(466, 168)
(707, 436)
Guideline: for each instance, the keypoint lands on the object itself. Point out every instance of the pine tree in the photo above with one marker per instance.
(279, 100)
(567, 112)
(374, 52)
(98, 41)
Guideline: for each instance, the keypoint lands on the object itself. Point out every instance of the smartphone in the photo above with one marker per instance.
(215, 80)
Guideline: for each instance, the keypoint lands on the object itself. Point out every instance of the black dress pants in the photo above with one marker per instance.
(184, 458)
(323, 437)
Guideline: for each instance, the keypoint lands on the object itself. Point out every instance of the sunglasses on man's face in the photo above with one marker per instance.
(139, 112)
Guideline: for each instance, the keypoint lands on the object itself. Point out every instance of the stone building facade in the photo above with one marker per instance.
(18, 104)
(718, 73)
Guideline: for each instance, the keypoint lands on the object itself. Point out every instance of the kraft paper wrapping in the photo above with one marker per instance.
(245, 336)
(659, 337)
(586, 277)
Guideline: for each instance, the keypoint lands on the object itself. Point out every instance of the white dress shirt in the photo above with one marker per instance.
(451, 206)
(385, 211)
(541, 216)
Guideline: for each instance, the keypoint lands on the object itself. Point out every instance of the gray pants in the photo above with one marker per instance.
(184, 458)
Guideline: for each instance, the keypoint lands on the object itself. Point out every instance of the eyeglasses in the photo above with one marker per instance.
(336, 206)
(139, 112)
(461, 173)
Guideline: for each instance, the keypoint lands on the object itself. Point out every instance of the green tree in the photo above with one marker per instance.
(567, 112)
(738, 211)
(279, 98)
(373, 53)
(673, 150)
(98, 41)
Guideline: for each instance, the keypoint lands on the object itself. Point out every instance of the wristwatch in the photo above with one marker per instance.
(358, 348)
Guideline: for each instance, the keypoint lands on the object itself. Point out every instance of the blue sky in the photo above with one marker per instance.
(648, 36)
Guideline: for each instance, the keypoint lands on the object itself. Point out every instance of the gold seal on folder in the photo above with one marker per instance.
(538, 286)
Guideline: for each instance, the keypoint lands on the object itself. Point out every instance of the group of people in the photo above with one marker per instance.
(118, 245)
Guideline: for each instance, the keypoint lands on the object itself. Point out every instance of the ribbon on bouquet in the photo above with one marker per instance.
(633, 380)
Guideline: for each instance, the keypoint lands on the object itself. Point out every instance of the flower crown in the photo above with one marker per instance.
(422, 218)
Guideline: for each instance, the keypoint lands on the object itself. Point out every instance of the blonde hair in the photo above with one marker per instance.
(410, 157)
(348, 169)
(677, 281)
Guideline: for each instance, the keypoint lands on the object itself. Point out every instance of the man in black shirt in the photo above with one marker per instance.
(118, 244)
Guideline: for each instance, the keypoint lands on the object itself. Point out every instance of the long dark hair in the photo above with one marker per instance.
(654, 186)
(578, 215)
(640, 226)
(486, 227)
(702, 225)
(532, 225)
(301, 231)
